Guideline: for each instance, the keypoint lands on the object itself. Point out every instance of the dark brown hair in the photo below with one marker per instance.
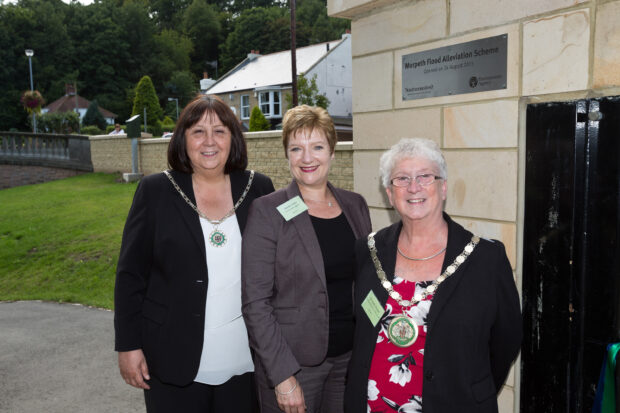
(309, 118)
(192, 113)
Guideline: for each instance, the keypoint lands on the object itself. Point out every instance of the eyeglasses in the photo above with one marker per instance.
(422, 180)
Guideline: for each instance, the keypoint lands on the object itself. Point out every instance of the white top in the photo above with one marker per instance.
(226, 351)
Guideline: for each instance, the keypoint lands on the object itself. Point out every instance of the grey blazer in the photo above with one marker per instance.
(284, 292)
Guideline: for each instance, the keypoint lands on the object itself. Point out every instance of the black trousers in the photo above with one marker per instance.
(236, 395)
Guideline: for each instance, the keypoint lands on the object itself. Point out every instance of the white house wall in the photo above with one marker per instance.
(334, 78)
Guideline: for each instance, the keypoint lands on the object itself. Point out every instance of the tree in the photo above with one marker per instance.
(183, 86)
(93, 116)
(258, 122)
(308, 93)
(202, 25)
(254, 30)
(147, 98)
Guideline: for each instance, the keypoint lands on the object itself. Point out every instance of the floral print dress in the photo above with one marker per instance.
(396, 373)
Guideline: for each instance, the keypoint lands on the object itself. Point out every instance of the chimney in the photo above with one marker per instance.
(205, 75)
(253, 54)
(69, 89)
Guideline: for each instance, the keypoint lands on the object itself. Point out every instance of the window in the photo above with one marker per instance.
(269, 103)
(245, 106)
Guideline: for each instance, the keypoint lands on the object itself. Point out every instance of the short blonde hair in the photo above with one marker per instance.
(309, 118)
(411, 148)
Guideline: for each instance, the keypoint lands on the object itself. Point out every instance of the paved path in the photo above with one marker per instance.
(59, 358)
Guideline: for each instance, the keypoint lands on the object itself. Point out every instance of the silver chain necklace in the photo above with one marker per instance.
(403, 331)
(217, 238)
(420, 259)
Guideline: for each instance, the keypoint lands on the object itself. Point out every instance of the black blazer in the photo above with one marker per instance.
(474, 325)
(162, 276)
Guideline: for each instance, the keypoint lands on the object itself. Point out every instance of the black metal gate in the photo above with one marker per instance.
(571, 258)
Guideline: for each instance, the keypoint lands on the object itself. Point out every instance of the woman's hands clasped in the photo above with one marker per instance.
(133, 368)
(290, 396)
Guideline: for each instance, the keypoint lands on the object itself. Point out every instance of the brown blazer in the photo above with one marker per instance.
(284, 292)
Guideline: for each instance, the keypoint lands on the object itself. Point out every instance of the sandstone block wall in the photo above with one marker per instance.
(265, 153)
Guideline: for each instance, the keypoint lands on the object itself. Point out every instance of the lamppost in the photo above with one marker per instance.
(177, 102)
(30, 53)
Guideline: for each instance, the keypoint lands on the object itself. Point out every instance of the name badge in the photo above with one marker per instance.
(291, 208)
(373, 308)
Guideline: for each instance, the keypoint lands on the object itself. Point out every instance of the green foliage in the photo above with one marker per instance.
(258, 122)
(184, 86)
(91, 130)
(308, 93)
(107, 46)
(147, 98)
(93, 116)
(60, 240)
(167, 121)
(256, 29)
(58, 122)
(201, 24)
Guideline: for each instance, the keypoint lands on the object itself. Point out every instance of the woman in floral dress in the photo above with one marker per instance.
(438, 319)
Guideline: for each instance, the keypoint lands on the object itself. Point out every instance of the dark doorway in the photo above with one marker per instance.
(571, 256)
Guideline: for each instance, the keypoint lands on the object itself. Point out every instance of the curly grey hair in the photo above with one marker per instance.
(411, 148)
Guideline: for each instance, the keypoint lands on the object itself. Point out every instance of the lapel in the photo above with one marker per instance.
(190, 217)
(238, 182)
(458, 237)
(306, 233)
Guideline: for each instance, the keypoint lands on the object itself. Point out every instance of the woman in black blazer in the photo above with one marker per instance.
(438, 319)
(179, 331)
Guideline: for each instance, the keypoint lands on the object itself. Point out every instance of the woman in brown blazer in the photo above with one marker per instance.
(297, 274)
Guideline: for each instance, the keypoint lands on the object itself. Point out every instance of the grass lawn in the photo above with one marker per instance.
(59, 241)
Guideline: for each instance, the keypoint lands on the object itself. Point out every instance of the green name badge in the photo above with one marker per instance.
(373, 308)
(291, 208)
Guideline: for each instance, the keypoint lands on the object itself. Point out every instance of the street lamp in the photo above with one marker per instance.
(177, 102)
(30, 53)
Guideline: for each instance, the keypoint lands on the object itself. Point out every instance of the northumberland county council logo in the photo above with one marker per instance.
(473, 82)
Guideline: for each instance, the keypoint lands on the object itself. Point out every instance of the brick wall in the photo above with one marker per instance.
(265, 153)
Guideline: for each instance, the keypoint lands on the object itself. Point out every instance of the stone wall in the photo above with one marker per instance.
(265, 153)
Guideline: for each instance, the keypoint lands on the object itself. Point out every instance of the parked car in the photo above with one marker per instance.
(167, 135)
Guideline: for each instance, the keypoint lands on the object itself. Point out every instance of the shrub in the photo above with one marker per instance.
(91, 130)
(258, 122)
(147, 98)
(58, 122)
(308, 93)
(94, 117)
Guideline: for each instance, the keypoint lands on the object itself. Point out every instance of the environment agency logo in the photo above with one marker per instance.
(473, 82)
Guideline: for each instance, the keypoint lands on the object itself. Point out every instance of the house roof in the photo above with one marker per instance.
(272, 69)
(67, 104)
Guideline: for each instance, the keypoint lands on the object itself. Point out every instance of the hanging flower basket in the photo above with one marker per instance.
(32, 101)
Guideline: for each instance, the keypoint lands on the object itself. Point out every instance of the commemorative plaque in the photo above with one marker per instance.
(475, 66)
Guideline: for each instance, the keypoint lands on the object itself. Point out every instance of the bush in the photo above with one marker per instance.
(91, 130)
(258, 122)
(147, 98)
(94, 117)
(58, 122)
